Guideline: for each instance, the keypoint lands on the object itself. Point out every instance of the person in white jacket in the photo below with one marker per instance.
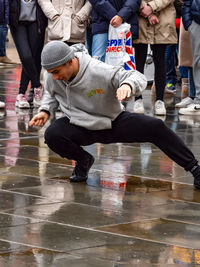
(89, 92)
(67, 20)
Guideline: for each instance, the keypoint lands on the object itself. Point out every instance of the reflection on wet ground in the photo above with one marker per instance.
(138, 208)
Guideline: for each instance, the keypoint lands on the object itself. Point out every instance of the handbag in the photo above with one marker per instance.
(119, 50)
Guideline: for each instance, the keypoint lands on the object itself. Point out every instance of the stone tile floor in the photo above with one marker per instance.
(138, 207)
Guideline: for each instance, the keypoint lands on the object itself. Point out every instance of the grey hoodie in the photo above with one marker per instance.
(89, 100)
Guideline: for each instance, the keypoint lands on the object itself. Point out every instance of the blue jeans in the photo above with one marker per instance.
(99, 44)
(192, 89)
(170, 63)
(3, 34)
(183, 71)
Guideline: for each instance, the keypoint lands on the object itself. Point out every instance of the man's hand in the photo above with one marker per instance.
(39, 119)
(153, 19)
(116, 21)
(123, 92)
(145, 11)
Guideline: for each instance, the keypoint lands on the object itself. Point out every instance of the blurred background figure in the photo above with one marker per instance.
(171, 55)
(188, 90)
(67, 20)
(191, 22)
(4, 20)
(157, 28)
(27, 25)
(115, 13)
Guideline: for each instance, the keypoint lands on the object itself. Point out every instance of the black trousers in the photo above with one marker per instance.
(27, 41)
(66, 139)
(159, 63)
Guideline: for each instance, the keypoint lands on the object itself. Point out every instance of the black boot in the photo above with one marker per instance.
(196, 173)
(80, 172)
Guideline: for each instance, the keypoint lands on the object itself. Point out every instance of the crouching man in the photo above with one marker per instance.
(89, 93)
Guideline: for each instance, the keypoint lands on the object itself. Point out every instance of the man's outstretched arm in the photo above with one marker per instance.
(39, 119)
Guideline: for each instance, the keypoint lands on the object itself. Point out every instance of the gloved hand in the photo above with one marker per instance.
(123, 92)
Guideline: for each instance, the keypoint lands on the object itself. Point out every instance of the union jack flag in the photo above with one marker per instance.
(129, 65)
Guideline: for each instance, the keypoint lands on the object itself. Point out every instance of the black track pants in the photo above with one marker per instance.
(66, 139)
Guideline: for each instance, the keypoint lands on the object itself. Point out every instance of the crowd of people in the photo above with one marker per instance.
(70, 72)
(163, 25)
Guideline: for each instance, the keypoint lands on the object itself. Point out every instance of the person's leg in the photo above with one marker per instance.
(185, 102)
(194, 31)
(3, 34)
(21, 38)
(131, 127)
(66, 140)
(160, 72)
(140, 56)
(192, 89)
(140, 59)
(99, 44)
(41, 37)
(170, 65)
(36, 40)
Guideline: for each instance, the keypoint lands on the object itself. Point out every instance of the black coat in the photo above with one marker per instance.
(104, 10)
(4, 12)
(190, 12)
(14, 6)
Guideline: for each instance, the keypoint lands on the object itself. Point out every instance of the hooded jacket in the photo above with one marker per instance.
(89, 100)
(4, 12)
(190, 12)
(104, 10)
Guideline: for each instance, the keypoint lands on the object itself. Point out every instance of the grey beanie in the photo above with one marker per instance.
(56, 53)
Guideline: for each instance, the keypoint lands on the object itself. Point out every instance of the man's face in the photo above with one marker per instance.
(63, 72)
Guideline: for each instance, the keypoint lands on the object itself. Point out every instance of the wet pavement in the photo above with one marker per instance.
(138, 207)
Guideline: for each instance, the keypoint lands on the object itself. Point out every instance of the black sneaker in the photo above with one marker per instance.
(80, 172)
(196, 174)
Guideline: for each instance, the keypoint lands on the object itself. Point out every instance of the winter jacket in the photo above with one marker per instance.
(190, 12)
(165, 31)
(104, 10)
(66, 19)
(14, 6)
(4, 12)
(89, 100)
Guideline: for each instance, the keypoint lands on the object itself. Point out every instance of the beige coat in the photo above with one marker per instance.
(66, 19)
(185, 50)
(165, 31)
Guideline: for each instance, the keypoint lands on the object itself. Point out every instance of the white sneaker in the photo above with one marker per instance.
(21, 101)
(192, 109)
(160, 108)
(2, 104)
(184, 102)
(37, 98)
(138, 106)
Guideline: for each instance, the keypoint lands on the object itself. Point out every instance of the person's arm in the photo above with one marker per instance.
(135, 80)
(130, 8)
(39, 119)
(84, 12)
(48, 9)
(104, 8)
(153, 6)
(186, 14)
